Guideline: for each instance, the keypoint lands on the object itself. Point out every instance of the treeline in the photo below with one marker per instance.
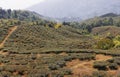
(20, 17)
(18, 14)
(95, 22)
(12, 22)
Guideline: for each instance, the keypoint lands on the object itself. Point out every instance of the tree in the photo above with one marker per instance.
(1, 14)
(105, 43)
(9, 13)
(58, 25)
(15, 14)
(117, 41)
(110, 20)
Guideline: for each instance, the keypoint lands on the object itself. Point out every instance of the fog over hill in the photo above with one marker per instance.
(76, 8)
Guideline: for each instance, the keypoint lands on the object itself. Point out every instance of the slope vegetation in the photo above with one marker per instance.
(36, 38)
(105, 30)
(11, 30)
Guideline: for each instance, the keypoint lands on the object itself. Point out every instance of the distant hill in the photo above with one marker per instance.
(110, 15)
(83, 9)
(109, 19)
(68, 19)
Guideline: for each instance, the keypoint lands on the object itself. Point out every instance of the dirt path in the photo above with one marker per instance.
(9, 33)
(101, 57)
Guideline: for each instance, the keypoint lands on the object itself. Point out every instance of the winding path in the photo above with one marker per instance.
(11, 30)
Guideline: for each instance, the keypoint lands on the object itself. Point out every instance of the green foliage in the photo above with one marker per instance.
(116, 41)
(53, 67)
(58, 25)
(99, 74)
(56, 74)
(101, 65)
(66, 71)
(117, 60)
(89, 24)
(34, 38)
(105, 43)
(18, 14)
(113, 66)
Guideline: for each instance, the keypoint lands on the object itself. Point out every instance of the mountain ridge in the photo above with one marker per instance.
(79, 8)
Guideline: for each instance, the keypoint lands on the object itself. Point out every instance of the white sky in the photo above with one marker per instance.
(18, 4)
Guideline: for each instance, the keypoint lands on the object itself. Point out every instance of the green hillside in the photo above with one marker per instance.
(43, 48)
(36, 38)
(22, 15)
(109, 19)
(41, 35)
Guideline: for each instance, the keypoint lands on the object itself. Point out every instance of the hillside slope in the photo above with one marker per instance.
(106, 30)
(37, 38)
(11, 30)
(109, 19)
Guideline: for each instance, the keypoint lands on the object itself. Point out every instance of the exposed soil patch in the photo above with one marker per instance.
(101, 57)
(4, 53)
(81, 68)
(63, 54)
(1, 64)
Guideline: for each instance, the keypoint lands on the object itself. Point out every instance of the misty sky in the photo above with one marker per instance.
(76, 8)
(65, 8)
(18, 4)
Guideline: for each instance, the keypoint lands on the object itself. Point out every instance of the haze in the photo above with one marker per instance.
(76, 8)
(18, 4)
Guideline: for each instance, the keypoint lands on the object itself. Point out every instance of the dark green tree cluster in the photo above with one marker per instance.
(18, 14)
(20, 17)
(95, 22)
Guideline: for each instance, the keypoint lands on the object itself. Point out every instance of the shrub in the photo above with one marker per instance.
(53, 67)
(5, 74)
(99, 74)
(110, 60)
(113, 66)
(38, 75)
(56, 74)
(117, 41)
(61, 63)
(117, 61)
(105, 43)
(58, 25)
(10, 68)
(101, 65)
(69, 58)
(66, 71)
(2, 68)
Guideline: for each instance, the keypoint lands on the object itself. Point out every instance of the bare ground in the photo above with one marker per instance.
(81, 68)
